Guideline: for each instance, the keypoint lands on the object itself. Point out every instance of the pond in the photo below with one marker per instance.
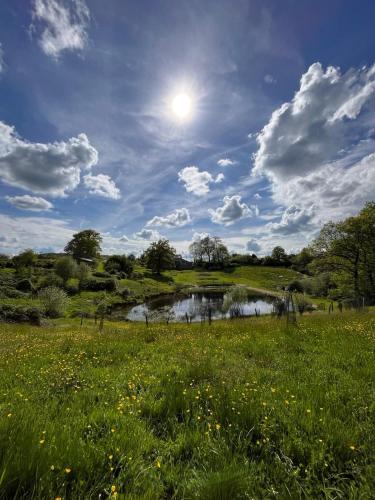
(195, 306)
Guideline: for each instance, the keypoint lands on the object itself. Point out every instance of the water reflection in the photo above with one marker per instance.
(196, 306)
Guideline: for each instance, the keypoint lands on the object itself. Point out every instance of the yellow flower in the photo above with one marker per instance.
(218, 426)
(9, 415)
(352, 447)
(52, 467)
(41, 441)
(113, 488)
(68, 470)
(308, 411)
(158, 465)
(113, 430)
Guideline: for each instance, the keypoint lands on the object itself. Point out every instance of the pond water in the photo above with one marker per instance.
(196, 306)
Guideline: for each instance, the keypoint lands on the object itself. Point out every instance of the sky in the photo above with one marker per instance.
(251, 120)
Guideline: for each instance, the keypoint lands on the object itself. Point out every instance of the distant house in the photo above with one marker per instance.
(182, 263)
(85, 259)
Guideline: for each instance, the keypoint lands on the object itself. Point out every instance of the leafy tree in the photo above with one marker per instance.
(54, 301)
(347, 249)
(301, 261)
(66, 268)
(160, 256)
(119, 263)
(27, 258)
(209, 250)
(85, 244)
(279, 255)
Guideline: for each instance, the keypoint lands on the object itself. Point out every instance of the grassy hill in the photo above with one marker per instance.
(241, 409)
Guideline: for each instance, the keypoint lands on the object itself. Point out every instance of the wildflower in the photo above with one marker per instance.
(352, 447)
(218, 426)
(113, 430)
(113, 488)
(68, 470)
(308, 411)
(158, 465)
(9, 415)
(52, 467)
(41, 441)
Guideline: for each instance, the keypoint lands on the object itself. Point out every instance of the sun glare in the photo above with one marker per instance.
(181, 106)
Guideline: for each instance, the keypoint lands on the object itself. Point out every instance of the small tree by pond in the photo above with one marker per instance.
(54, 301)
(234, 302)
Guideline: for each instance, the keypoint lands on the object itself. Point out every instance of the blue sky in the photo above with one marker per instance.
(279, 137)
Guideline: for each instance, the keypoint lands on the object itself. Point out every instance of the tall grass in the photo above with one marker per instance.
(241, 409)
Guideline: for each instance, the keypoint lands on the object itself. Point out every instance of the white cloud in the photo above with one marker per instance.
(39, 233)
(124, 238)
(293, 220)
(101, 185)
(317, 149)
(63, 26)
(196, 181)
(253, 246)
(231, 211)
(32, 203)
(180, 217)
(147, 234)
(52, 168)
(2, 60)
(257, 196)
(225, 162)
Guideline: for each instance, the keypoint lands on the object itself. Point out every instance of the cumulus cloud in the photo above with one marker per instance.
(124, 238)
(225, 162)
(147, 234)
(180, 217)
(293, 220)
(231, 211)
(253, 246)
(196, 181)
(101, 185)
(52, 168)
(318, 148)
(257, 196)
(62, 26)
(32, 203)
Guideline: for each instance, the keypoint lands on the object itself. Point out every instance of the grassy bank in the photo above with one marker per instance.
(240, 409)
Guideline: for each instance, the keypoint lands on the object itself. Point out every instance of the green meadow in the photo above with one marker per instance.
(249, 408)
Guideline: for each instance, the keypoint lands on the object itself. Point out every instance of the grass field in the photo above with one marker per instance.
(241, 409)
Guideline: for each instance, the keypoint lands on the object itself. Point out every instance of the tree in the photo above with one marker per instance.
(119, 263)
(279, 255)
(66, 268)
(85, 244)
(27, 258)
(209, 250)
(160, 256)
(347, 249)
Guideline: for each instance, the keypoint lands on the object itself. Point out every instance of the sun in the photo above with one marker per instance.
(182, 106)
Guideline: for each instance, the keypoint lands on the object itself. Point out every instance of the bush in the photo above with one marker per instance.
(25, 285)
(51, 279)
(15, 314)
(72, 287)
(119, 263)
(101, 274)
(54, 301)
(295, 286)
(99, 285)
(83, 271)
(12, 293)
(66, 268)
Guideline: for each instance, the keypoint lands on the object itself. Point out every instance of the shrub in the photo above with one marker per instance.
(99, 285)
(51, 279)
(15, 314)
(25, 285)
(102, 274)
(295, 286)
(71, 286)
(119, 263)
(83, 271)
(66, 268)
(54, 301)
(12, 293)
